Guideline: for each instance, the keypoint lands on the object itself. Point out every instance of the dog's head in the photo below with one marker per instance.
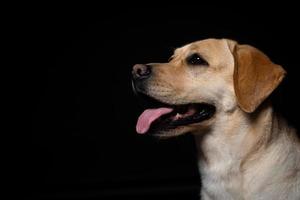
(202, 80)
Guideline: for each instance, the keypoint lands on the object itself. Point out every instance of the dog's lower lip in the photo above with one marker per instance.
(182, 115)
(201, 113)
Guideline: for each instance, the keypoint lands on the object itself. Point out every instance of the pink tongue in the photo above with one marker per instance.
(148, 116)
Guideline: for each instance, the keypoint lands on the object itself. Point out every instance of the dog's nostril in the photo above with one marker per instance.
(141, 71)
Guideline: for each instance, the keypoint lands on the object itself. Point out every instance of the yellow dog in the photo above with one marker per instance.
(217, 90)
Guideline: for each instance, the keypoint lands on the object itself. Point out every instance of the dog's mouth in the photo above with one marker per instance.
(160, 116)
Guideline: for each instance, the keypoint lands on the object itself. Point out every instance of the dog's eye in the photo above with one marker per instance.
(196, 59)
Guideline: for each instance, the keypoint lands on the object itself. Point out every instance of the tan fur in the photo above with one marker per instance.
(255, 76)
(245, 151)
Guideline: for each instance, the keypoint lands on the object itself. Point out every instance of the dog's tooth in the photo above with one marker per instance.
(177, 116)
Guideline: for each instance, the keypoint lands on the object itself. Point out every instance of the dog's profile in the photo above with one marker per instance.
(218, 90)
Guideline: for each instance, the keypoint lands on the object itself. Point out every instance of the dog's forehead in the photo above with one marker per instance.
(208, 47)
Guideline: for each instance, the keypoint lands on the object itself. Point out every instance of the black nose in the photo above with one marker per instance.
(141, 71)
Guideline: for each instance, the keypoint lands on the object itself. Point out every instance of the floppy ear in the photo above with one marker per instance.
(255, 77)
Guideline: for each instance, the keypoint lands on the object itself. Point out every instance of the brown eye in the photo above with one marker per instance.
(196, 59)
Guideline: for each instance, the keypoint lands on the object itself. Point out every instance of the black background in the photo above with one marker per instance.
(81, 108)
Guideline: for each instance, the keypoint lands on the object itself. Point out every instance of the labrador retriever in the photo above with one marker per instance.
(218, 90)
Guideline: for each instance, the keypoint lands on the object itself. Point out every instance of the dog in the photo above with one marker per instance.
(217, 90)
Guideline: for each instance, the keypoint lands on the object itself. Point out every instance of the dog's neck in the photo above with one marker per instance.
(237, 137)
(245, 151)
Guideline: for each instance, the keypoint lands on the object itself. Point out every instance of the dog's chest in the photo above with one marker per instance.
(221, 182)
